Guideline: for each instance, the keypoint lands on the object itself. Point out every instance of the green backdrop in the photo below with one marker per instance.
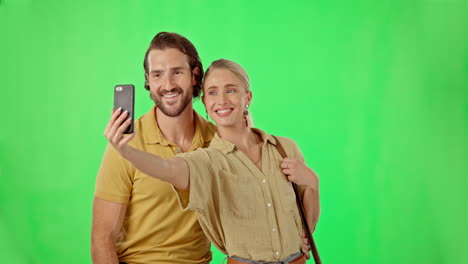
(372, 91)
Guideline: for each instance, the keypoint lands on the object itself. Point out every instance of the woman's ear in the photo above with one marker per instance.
(195, 74)
(203, 99)
(249, 97)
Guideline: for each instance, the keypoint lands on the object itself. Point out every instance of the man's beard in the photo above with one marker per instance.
(167, 109)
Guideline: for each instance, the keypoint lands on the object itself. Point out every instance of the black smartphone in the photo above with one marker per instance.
(124, 96)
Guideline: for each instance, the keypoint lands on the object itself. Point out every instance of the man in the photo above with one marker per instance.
(136, 218)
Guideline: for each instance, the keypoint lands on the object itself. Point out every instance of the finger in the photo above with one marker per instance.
(286, 172)
(288, 159)
(117, 124)
(114, 116)
(305, 244)
(120, 130)
(291, 178)
(127, 139)
(125, 124)
(285, 164)
(114, 135)
(305, 250)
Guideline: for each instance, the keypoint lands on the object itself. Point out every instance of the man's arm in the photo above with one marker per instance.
(107, 222)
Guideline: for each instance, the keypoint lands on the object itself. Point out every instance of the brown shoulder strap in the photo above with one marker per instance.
(280, 148)
(300, 206)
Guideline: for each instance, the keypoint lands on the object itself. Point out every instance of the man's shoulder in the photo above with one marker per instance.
(147, 119)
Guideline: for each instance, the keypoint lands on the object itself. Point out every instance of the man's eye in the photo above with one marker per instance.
(156, 75)
(231, 91)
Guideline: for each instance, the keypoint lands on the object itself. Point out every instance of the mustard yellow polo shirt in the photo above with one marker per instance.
(245, 212)
(155, 229)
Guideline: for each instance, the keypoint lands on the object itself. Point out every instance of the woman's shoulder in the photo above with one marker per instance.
(285, 141)
(289, 145)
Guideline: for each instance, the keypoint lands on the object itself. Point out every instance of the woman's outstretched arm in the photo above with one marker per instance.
(174, 171)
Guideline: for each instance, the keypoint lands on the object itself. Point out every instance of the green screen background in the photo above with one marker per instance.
(372, 91)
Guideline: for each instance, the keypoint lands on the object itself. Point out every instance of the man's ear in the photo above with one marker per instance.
(195, 74)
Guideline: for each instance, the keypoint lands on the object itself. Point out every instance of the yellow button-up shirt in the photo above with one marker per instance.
(245, 212)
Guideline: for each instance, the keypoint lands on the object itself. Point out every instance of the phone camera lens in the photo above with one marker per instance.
(118, 88)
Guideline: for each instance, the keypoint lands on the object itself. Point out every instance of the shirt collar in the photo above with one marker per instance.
(266, 138)
(226, 146)
(153, 134)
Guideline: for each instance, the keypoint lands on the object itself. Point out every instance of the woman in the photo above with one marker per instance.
(236, 186)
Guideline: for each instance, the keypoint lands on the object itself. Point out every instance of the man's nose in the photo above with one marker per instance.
(169, 83)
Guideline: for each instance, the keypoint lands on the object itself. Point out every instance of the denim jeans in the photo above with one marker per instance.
(286, 261)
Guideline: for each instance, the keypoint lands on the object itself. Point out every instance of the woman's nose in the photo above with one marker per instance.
(224, 98)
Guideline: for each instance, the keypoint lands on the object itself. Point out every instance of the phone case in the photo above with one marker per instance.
(124, 96)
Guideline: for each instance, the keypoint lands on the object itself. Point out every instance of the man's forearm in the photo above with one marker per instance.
(103, 252)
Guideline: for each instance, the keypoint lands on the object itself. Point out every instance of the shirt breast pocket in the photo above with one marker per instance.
(238, 195)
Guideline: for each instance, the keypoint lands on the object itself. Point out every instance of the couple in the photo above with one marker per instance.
(234, 181)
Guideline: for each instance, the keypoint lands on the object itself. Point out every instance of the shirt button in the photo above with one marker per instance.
(274, 230)
(177, 150)
(268, 204)
(276, 254)
(263, 180)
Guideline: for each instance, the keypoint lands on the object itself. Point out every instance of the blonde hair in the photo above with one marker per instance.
(233, 67)
(238, 71)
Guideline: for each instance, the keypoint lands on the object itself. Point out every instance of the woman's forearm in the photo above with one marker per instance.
(311, 203)
(148, 163)
(173, 171)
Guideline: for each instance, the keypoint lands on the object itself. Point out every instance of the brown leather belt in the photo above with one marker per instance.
(299, 260)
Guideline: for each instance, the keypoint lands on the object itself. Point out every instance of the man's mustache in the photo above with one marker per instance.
(173, 90)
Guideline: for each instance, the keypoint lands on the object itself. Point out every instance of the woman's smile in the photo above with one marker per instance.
(223, 112)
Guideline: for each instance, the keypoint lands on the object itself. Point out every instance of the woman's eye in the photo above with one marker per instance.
(212, 93)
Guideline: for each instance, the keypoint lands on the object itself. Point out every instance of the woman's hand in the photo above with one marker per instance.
(296, 171)
(115, 128)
